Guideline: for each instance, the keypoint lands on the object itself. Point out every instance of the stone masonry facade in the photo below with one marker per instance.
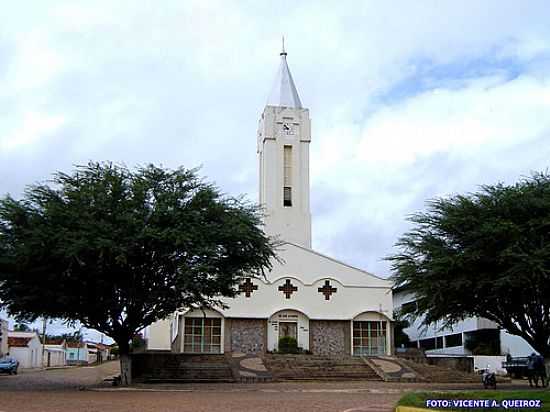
(329, 337)
(248, 335)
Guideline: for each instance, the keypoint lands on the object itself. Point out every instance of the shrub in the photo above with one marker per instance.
(287, 344)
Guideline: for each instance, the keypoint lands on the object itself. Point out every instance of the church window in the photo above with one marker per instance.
(287, 193)
(247, 287)
(287, 176)
(369, 338)
(288, 289)
(202, 335)
(327, 290)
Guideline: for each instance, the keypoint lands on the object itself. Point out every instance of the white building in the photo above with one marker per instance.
(3, 337)
(26, 348)
(55, 353)
(331, 308)
(454, 341)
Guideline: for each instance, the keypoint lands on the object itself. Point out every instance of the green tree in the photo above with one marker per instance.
(483, 254)
(21, 327)
(400, 338)
(117, 249)
(138, 343)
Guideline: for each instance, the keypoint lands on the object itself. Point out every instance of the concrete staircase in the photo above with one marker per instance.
(190, 368)
(432, 373)
(310, 367)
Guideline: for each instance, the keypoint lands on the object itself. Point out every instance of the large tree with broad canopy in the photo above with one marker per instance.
(118, 249)
(483, 254)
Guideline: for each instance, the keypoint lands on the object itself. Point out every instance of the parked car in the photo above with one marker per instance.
(9, 365)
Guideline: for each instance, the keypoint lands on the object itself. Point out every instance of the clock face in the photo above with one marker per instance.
(288, 129)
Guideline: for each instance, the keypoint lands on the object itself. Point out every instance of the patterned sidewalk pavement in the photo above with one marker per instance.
(81, 389)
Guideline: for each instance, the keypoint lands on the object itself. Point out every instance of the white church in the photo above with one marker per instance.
(329, 307)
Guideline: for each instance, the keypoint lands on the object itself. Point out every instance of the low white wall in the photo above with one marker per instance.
(23, 356)
(452, 350)
(55, 357)
(158, 335)
(493, 363)
(27, 357)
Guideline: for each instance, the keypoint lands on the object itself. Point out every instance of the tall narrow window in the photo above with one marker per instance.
(287, 176)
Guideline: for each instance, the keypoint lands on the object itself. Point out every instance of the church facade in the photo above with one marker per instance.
(329, 307)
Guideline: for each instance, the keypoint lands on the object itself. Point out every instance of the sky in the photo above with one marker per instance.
(408, 100)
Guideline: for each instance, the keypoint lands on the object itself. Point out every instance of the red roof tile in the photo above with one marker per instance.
(50, 341)
(18, 342)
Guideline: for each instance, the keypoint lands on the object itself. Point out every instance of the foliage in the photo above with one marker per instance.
(117, 249)
(138, 342)
(288, 344)
(114, 351)
(418, 399)
(483, 254)
(400, 338)
(75, 337)
(21, 327)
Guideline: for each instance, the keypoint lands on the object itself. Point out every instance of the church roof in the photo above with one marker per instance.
(339, 262)
(284, 93)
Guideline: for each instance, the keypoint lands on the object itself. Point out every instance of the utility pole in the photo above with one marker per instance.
(43, 342)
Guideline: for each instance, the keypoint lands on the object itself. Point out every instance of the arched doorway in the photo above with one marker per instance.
(288, 322)
(371, 334)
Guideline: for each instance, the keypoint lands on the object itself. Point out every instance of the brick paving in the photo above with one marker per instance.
(196, 401)
(57, 379)
(57, 390)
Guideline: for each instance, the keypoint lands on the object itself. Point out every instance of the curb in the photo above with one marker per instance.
(413, 409)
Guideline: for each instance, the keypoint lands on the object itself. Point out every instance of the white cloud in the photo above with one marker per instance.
(31, 127)
(436, 143)
(461, 121)
(185, 83)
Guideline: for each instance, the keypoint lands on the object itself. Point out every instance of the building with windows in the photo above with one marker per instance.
(77, 353)
(328, 306)
(463, 338)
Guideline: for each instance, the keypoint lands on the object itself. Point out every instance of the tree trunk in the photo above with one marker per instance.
(125, 369)
(547, 364)
(125, 362)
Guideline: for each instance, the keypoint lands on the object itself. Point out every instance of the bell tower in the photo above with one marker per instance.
(284, 134)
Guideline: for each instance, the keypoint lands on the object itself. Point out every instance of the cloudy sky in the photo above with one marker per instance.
(408, 100)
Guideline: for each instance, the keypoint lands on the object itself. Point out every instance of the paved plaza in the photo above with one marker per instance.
(82, 389)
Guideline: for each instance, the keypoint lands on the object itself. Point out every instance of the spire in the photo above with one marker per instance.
(284, 91)
(283, 52)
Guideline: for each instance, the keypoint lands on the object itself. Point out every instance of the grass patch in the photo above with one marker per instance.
(418, 399)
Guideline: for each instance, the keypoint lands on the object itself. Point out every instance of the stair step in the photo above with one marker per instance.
(319, 368)
(189, 380)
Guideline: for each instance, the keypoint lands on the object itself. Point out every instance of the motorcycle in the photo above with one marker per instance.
(488, 378)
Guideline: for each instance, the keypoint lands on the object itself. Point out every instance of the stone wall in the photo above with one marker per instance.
(463, 363)
(248, 335)
(330, 337)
